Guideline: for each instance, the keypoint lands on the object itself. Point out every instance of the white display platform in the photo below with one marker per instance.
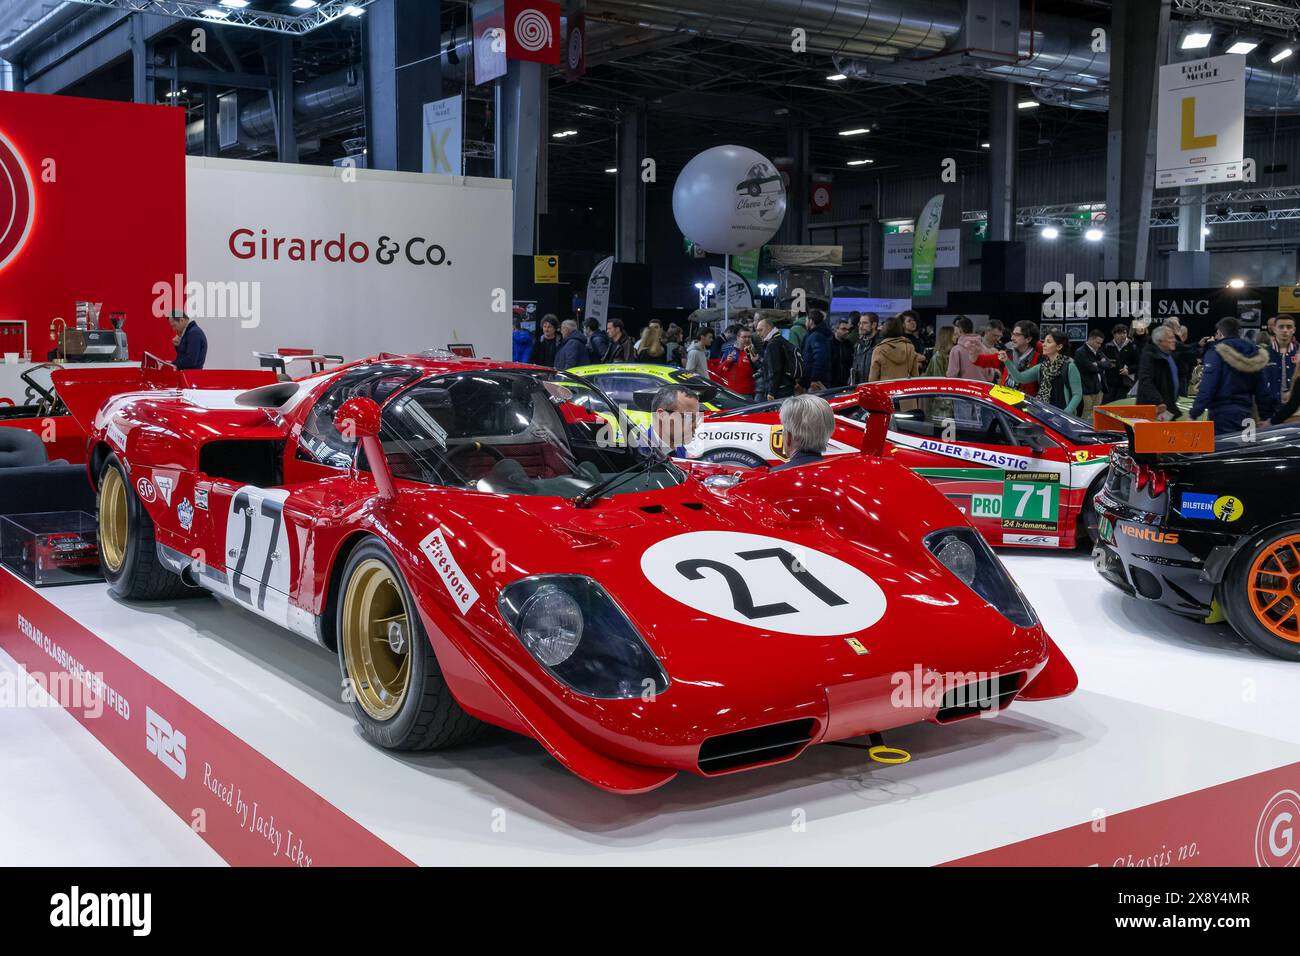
(1165, 709)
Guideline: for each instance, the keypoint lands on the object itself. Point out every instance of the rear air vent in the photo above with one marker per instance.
(979, 697)
(749, 748)
(693, 505)
(652, 509)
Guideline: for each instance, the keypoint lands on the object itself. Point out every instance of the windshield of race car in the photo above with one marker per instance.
(1064, 424)
(515, 433)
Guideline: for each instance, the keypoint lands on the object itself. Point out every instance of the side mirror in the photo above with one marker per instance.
(359, 417)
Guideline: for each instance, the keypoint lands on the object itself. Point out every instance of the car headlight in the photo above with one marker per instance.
(584, 640)
(967, 555)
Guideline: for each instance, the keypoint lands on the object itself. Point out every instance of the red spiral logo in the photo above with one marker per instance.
(17, 202)
(532, 31)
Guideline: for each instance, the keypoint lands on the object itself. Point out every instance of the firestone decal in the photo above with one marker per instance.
(444, 563)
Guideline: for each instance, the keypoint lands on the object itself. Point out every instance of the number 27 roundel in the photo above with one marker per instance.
(764, 582)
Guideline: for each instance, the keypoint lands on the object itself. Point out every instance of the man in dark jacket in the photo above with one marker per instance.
(1092, 364)
(1233, 382)
(816, 352)
(776, 370)
(548, 343)
(573, 350)
(619, 349)
(841, 355)
(191, 344)
(597, 341)
(1283, 355)
(1123, 357)
(1157, 381)
(867, 337)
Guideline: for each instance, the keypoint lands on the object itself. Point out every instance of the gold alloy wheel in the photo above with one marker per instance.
(377, 639)
(113, 520)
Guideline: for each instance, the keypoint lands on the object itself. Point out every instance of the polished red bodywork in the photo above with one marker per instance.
(724, 677)
(980, 477)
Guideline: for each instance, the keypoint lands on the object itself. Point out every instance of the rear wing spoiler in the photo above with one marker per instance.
(875, 399)
(1147, 437)
(85, 389)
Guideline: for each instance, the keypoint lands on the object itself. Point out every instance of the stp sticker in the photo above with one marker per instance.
(145, 489)
(764, 582)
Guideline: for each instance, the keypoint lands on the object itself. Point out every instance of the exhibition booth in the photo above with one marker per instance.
(748, 632)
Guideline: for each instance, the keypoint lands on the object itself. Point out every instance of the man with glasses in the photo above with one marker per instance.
(674, 416)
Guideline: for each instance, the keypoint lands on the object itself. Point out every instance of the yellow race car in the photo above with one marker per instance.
(632, 387)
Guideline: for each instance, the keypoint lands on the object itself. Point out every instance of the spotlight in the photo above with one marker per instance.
(1236, 283)
(1223, 210)
(1280, 53)
(854, 132)
(612, 169)
(1197, 36)
(1243, 46)
(1205, 230)
(1050, 232)
(303, 4)
(351, 11)
(836, 77)
(984, 145)
(235, 4)
(212, 13)
(561, 134)
(1027, 104)
(1259, 208)
(860, 162)
(1094, 235)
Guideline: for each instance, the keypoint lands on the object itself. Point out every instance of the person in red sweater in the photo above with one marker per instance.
(1024, 352)
(737, 364)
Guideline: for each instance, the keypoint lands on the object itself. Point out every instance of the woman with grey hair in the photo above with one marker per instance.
(808, 422)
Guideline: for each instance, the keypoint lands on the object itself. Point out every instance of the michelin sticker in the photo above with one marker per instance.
(763, 582)
(444, 563)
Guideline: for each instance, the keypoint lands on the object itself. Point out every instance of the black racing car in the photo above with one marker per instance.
(1210, 535)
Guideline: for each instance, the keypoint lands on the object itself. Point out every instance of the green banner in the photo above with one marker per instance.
(923, 247)
(746, 263)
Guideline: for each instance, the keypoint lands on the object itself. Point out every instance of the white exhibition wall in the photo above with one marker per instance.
(350, 262)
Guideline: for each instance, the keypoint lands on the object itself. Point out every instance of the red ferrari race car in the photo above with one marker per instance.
(1022, 470)
(467, 539)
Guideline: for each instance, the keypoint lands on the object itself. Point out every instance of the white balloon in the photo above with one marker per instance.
(729, 199)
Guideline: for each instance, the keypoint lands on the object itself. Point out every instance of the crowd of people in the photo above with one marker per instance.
(1229, 377)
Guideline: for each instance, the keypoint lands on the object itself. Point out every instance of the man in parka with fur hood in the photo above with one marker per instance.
(1233, 384)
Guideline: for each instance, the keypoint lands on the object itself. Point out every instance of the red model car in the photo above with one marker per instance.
(1022, 470)
(467, 539)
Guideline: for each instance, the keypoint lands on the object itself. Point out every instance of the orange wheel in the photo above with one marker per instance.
(1273, 587)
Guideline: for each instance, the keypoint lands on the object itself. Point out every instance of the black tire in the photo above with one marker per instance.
(428, 717)
(139, 576)
(1087, 532)
(1234, 594)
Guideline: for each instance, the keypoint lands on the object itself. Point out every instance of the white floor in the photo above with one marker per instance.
(1165, 707)
(66, 801)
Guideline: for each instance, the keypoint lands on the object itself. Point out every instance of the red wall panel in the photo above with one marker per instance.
(109, 208)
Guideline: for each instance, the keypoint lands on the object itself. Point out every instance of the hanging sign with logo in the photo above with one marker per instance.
(1200, 134)
(575, 47)
(533, 31)
(819, 195)
(546, 270)
(489, 41)
(442, 126)
(737, 294)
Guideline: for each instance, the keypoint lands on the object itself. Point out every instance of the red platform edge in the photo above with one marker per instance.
(1251, 821)
(247, 808)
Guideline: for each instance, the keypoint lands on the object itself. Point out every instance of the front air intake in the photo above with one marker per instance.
(750, 748)
(981, 696)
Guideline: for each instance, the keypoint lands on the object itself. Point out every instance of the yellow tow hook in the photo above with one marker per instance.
(882, 754)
